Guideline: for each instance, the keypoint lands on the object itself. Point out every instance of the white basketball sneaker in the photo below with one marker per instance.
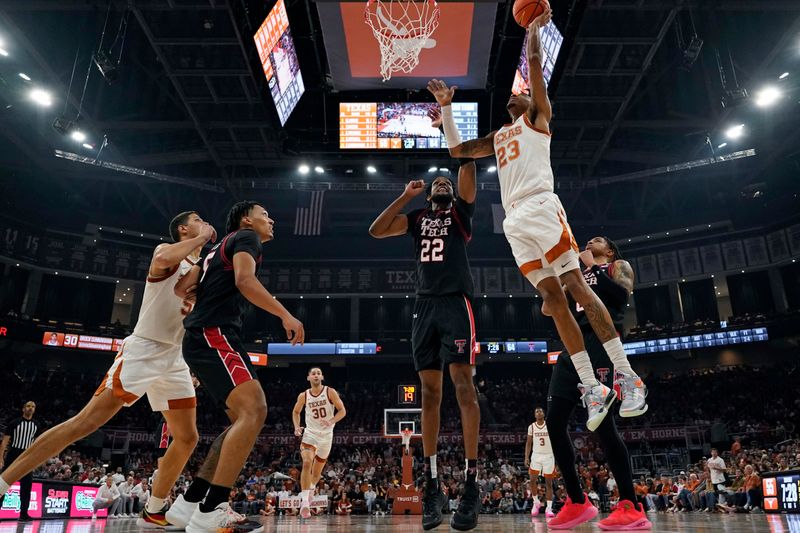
(180, 512)
(597, 399)
(634, 394)
(222, 518)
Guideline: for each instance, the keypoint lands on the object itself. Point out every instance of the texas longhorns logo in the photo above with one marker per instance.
(460, 344)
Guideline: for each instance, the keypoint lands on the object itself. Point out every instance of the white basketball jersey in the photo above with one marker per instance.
(161, 315)
(541, 439)
(523, 161)
(318, 408)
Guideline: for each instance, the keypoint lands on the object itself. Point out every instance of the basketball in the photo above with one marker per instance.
(525, 11)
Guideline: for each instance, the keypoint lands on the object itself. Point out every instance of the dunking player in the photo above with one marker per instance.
(540, 461)
(149, 362)
(611, 278)
(224, 285)
(323, 409)
(537, 230)
(443, 331)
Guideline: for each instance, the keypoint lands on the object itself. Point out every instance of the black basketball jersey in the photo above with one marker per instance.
(616, 310)
(440, 249)
(219, 302)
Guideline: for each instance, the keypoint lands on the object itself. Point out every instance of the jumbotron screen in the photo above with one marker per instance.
(279, 60)
(400, 125)
(551, 45)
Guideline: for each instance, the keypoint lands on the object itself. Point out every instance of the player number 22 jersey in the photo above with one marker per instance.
(318, 408)
(541, 439)
(523, 161)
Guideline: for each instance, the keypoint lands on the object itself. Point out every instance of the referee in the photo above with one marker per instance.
(18, 437)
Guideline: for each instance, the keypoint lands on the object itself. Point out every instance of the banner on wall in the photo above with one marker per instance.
(711, 258)
(733, 253)
(778, 247)
(648, 271)
(668, 265)
(690, 262)
(756, 250)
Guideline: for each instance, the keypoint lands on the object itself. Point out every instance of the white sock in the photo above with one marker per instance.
(304, 496)
(154, 504)
(583, 365)
(617, 355)
(432, 462)
(3, 486)
(549, 505)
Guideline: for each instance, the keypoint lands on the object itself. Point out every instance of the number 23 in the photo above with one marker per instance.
(513, 153)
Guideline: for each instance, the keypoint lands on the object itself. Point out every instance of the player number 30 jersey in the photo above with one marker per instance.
(318, 408)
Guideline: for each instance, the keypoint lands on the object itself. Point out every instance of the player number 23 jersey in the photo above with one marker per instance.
(318, 408)
(523, 161)
(541, 439)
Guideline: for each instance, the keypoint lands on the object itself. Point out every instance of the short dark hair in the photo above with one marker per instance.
(312, 368)
(179, 220)
(237, 213)
(614, 248)
(429, 187)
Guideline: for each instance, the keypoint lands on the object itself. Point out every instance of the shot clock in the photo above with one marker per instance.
(781, 490)
(407, 394)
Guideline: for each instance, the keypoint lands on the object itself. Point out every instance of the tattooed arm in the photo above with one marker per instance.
(482, 147)
(623, 274)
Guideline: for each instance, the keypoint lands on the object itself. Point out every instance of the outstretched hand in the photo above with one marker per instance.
(542, 20)
(440, 91)
(436, 117)
(414, 188)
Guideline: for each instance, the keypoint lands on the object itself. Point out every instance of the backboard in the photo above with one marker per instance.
(396, 420)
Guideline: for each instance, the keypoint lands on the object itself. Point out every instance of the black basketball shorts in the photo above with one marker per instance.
(443, 332)
(564, 381)
(219, 360)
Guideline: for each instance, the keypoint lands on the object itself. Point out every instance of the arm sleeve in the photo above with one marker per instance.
(246, 241)
(609, 289)
(412, 221)
(464, 208)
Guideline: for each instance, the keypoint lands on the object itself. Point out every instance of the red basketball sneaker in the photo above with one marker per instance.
(573, 514)
(626, 517)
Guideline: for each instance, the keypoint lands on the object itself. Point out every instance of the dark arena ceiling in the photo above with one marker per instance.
(634, 102)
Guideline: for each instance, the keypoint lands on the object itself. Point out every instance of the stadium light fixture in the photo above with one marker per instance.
(443, 169)
(88, 146)
(371, 169)
(303, 169)
(319, 170)
(432, 169)
(24, 76)
(767, 96)
(783, 76)
(3, 52)
(78, 136)
(41, 97)
(734, 132)
(492, 168)
(723, 145)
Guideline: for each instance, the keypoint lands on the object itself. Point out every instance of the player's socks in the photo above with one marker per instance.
(432, 470)
(472, 470)
(217, 494)
(197, 490)
(584, 368)
(155, 505)
(549, 506)
(617, 355)
(3, 486)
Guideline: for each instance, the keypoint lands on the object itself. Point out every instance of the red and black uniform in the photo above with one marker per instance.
(211, 346)
(443, 330)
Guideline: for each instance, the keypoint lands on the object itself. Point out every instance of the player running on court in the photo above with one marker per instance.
(540, 461)
(323, 410)
(443, 332)
(536, 228)
(150, 362)
(226, 285)
(611, 278)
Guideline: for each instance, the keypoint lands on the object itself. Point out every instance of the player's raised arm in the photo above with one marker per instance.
(475, 148)
(391, 223)
(298, 408)
(467, 181)
(244, 271)
(167, 256)
(541, 112)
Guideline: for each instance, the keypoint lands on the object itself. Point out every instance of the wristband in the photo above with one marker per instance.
(451, 134)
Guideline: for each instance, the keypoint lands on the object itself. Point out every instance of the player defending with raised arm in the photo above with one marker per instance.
(226, 285)
(443, 331)
(536, 228)
(150, 362)
(540, 462)
(323, 409)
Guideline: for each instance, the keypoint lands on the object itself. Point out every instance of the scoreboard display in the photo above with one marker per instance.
(701, 340)
(82, 342)
(407, 394)
(781, 490)
(279, 61)
(400, 125)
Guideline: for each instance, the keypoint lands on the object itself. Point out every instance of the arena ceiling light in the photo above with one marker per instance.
(443, 169)
(303, 169)
(734, 132)
(723, 145)
(767, 96)
(492, 168)
(78, 136)
(3, 52)
(89, 147)
(783, 76)
(432, 169)
(371, 169)
(41, 97)
(24, 76)
(319, 170)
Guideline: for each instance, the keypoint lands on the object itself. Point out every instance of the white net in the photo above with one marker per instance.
(406, 436)
(403, 28)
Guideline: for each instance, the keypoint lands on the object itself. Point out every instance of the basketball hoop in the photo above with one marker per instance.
(406, 436)
(402, 28)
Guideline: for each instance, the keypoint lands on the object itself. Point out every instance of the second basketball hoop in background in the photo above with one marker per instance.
(402, 28)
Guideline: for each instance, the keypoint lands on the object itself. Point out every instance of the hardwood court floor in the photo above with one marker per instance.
(679, 523)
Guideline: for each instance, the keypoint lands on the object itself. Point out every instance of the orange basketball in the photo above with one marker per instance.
(525, 11)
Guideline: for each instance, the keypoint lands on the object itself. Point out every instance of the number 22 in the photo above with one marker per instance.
(513, 153)
(431, 250)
